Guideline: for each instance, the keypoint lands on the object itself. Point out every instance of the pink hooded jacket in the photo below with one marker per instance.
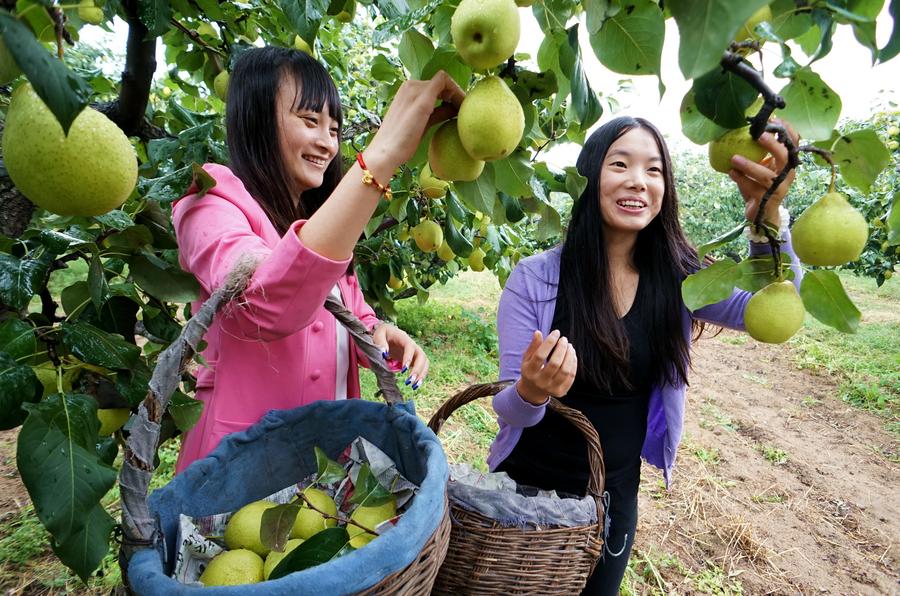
(277, 348)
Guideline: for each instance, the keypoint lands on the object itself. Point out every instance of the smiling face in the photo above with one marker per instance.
(308, 140)
(632, 183)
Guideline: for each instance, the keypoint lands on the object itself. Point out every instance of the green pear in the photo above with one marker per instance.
(434, 188)
(476, 259)
(233, 568)
(243, 528)
(275, 557)
(300, 44)
(734, 142)
(445, 253)
(309, 521)
(428, 235)
(447, 157)
(775, 313)
(370, 517)
(485, 32)
(830, 232)
(746, 31)
(91, 14)
(112, 419)
(9, 70)
(490, 121)
(394, 283)
(89, 172)
(220, 85)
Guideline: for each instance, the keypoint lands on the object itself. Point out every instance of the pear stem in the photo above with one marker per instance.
(339, 518)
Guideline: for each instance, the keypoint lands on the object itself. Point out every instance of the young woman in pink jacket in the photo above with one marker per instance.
(285, 202)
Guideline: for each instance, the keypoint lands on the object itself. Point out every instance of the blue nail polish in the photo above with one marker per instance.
(403, 370)
(407, 381)
(416, 386)
(384, 355)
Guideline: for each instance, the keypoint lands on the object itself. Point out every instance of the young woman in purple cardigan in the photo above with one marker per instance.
(599, 322)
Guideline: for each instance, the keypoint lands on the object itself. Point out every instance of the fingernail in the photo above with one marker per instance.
(414, 379)
(408, 380)
(403, 370)
(384, 355)
(415, 387)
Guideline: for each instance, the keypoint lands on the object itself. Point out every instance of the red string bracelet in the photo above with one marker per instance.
(368, 178)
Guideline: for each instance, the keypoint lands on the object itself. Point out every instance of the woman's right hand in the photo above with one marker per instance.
(542, 377)
(410, 114)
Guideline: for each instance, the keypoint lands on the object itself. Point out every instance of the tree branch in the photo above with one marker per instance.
(734, 62)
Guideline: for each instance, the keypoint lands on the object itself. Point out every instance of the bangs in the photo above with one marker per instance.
(314, 90)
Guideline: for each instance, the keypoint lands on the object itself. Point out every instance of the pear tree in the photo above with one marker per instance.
(90, 286)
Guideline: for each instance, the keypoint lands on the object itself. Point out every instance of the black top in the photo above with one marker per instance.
(553, 454)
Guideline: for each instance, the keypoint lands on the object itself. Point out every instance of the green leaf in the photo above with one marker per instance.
(155, 15)
(201, 179)
(447, 59)
(479, 194)
(18, 385)
(116, 218)
(276, 525)
(711, 284)
(724, 97)
(75, 298)
(64, 92)
(169, 284)
(756, 273)
(454, 208)
(549, 225)
(167, 188)
(95, 346)
(85, 549)
(130, 239)
(813, 108)
(328, 471)
(513, 175)
(694, 125)
(97, 283)
(598, 11)
(305, 16)
(17, 338)
(893, 221)
(631, 41)
(825, 299)
(722, 240)
(367, 490)
(585, 101)
(460, 245)
(575, 183)
(20, 279)
(185, 411)
(382, 69)
(59, 465)
(861, 157)
(513, 210)
(892, 47)
(320, 548)
(60, 242)
(415, 51)
(705, 29)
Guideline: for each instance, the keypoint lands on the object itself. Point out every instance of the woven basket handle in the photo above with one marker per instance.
(597, 473)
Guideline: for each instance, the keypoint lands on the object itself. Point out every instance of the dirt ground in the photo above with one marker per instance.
(780, 487)
(779, 483)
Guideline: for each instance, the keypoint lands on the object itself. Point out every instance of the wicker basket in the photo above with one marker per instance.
(487, 558)
(147, 548)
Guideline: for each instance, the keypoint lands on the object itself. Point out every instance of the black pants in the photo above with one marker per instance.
(622, 511)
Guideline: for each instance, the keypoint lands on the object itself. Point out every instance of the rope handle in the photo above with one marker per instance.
(597, 473)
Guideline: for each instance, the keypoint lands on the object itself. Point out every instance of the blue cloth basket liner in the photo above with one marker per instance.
(277, 451)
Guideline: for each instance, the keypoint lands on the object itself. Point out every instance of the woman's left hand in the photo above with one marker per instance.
(400, 347)
(754, 178)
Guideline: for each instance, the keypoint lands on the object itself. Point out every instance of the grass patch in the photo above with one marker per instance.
(866, 362)
(773, 454)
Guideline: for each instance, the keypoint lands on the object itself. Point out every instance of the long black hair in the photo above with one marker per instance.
(663, 257)
(251, 123)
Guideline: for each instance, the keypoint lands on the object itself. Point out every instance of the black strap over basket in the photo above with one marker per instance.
(486, 557)
(140, 527)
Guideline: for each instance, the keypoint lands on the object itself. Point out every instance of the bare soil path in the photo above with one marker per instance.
(780, 486)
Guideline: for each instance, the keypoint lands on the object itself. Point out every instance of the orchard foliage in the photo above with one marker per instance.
(91, 342)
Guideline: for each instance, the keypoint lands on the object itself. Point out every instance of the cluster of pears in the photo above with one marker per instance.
(90, 171)
(491, 122)
(248, 560)
(828, 233)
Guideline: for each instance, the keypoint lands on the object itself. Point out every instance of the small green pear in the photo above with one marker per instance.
(491, 120)
(476, 259)
(485, 32)
(445, 253)
(734, 142)
(775, 313)
(112, 419)
(300, 44)
(275, 557)
(428, 235)
(448, 158)
(434, 188)
(394, 283)
(91, 14)
(830, 232)
(9, 70)
(233, 568)
(746, 31)
(243, 528)
(220, 85)
(309, 521)
(370, 517)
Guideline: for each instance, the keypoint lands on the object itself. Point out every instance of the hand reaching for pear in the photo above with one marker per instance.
(548, 368)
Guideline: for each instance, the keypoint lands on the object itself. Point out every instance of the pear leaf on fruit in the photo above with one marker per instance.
(89, 172)
(447, 157)
(485, 32)
(234, 567)
(491, 120)
(830, 232)
(775, 313)
(9, 69)
(734, 142)
(275, 557)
